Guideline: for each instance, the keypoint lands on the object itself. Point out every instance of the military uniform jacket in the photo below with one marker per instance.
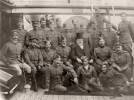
(22, 35)
(102, 54)
(54, 37)
(33, 57)
(55, 75)
(121, 59)
(126, 31)
(112, 78)
(38, 34)
(11, 52)
(85, 75)
(48, 56)
(64, 52)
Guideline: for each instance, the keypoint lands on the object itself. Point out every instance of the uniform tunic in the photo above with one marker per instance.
(54, 37)
(102, 54)
(64, 52)
(48, 56)
(110, 38)
(112, 78)
(33, 57)
(99, 20)
(70, 36)
(22, 35)
(122, 60)
(54, 77)
(38, 34)
(87, 77)
(11, 52)
(125, 36)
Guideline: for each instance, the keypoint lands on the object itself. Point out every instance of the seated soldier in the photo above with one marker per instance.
(63, 50)
(48, 55)
(54, 78)
(34, 59)
(121, 61)
(102, 54)
(87, 76)
(11, 55)
(112, 80)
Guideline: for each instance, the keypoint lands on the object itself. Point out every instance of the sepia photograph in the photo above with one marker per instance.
(66, 49)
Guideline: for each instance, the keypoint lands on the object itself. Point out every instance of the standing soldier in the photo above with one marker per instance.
(70, 36)
(37, 32)
(34, 59)
(126, 35)
(110, 36)
(121, 61)
(53, 36)
(125, 32)
(101, 54)
(99, 20)
(43, 26)
(21, 32)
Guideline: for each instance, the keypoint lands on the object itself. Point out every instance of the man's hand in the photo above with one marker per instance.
(39, 67)
(91, 61)
(76, 80)
(79, 60)
(34, 69)
(46, 90)
(128, 83)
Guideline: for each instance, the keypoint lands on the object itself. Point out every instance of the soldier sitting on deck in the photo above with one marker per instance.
(34, 59)
(87, 76)
(54, 78)
(112, 79)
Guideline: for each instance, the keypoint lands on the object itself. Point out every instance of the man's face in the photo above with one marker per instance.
(48, 45)
(79, 42)
(20, 25)
(102, 43)
(57, 61)
(52, 26)
(123, 17)
(64, 42)
(104, 68)
(14, 38)
(58, 22)
(85, 62)
(119, 48)
(36, 25)
(43, 24)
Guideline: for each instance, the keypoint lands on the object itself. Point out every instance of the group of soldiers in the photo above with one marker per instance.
(95, 59)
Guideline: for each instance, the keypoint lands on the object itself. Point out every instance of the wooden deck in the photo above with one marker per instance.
(30, 95)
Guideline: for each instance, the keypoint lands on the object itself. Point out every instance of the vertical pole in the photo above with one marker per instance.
(92, 7)
(0, 29)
